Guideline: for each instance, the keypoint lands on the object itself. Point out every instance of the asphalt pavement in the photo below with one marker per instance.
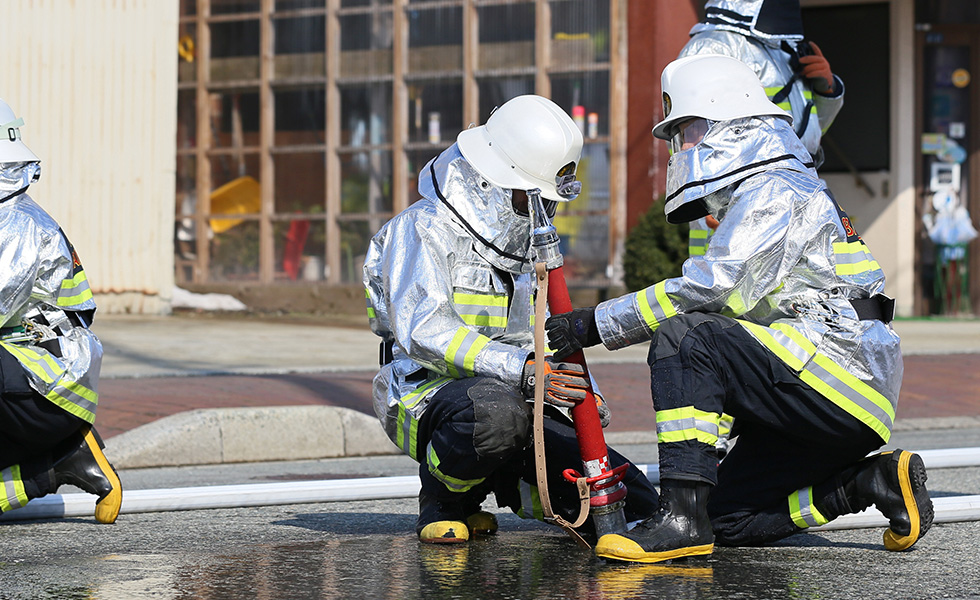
(205, 388)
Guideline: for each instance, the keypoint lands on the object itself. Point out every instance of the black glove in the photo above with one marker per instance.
(570, 332)
(565, 383)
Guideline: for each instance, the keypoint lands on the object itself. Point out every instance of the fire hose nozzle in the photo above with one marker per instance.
(544, 236)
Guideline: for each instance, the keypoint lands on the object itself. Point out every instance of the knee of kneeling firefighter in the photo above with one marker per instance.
(502, 419)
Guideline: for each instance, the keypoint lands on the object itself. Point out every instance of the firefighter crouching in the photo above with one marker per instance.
(781, 324)
(49, 359)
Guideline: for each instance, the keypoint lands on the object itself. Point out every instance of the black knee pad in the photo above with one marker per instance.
(502, 419)
(671, 334)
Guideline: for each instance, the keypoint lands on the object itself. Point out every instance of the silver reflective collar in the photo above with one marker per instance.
(16, 177)
(730, 152)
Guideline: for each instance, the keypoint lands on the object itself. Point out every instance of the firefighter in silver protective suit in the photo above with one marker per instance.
(49, 359)
(781, 324)
(450, 290)
(767, 35)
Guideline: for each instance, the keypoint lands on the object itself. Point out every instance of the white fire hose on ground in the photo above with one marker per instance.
(55, 506)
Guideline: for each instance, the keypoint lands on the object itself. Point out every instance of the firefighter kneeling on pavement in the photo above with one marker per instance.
(781, 324)
(450, 290)
(49, 359)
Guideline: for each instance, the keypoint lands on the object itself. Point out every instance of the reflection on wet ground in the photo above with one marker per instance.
(511, 565)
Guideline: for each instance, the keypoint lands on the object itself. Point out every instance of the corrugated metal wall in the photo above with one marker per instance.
(95, 81)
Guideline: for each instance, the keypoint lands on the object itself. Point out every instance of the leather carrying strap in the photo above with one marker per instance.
(540, 463)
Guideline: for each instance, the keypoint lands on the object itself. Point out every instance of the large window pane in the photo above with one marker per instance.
(365, 44)
(300, 116)
(234, 119)
(588, 90)
(435, 40)
(235, 253)
(580, 32)
(235, 50)
(506, 36)
(300, 247)
(365, 114)
(300, 183)
(366, 187)
(435, 110)
(354, 239)
(300, 44)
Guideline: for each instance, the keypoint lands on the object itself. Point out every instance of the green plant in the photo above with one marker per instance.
(655, 249)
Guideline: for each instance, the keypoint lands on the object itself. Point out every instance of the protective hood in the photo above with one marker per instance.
(15, 177)
(730, 151)
(500, 235)
(767, 20)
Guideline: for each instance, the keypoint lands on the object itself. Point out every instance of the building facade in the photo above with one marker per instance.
(224, 144)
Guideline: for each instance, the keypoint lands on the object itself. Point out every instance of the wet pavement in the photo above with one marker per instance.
(368, 549)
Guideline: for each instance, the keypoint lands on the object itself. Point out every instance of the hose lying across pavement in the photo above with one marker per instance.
(56, 506)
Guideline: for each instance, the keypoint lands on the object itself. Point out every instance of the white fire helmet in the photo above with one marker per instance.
(712, 87)
(12, 149)
(528, 142)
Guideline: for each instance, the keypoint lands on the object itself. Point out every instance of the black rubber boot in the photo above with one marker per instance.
(86, 467)
(680, 528)
(895, 482)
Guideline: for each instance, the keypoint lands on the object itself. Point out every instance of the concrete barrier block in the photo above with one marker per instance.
(281, 433)
(364, 436)
(188, 438)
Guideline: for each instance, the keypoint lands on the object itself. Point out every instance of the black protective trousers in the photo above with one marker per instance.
(481, 429)
(789, 436)
(34, 432)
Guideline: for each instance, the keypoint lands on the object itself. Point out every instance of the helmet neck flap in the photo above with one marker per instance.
(771, 21)
(15, 177)
(500, 234)
(730, 152)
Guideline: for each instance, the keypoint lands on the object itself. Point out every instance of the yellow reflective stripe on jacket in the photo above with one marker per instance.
(462, 351)
(802, 510)
(454, 484)
(411, 399)
(370, 307)
(407, 433)
(482, 310)
(72, 397)
(687, 423)
(530, 502)
(853, 257)
(14, 495)
(771, 93)
(74, 291)
(859, 399)
(659, 310)
(697, 241)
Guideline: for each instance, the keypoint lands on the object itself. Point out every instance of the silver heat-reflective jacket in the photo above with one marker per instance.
(784, 262)
(44, 299)
(812, 113)
(449, 304)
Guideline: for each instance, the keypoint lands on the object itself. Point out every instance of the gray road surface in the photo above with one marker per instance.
(369, 550)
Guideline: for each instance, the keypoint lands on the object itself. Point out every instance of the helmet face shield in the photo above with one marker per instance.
(688, 133)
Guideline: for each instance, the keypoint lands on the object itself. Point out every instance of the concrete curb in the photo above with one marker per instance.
(236, 435)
